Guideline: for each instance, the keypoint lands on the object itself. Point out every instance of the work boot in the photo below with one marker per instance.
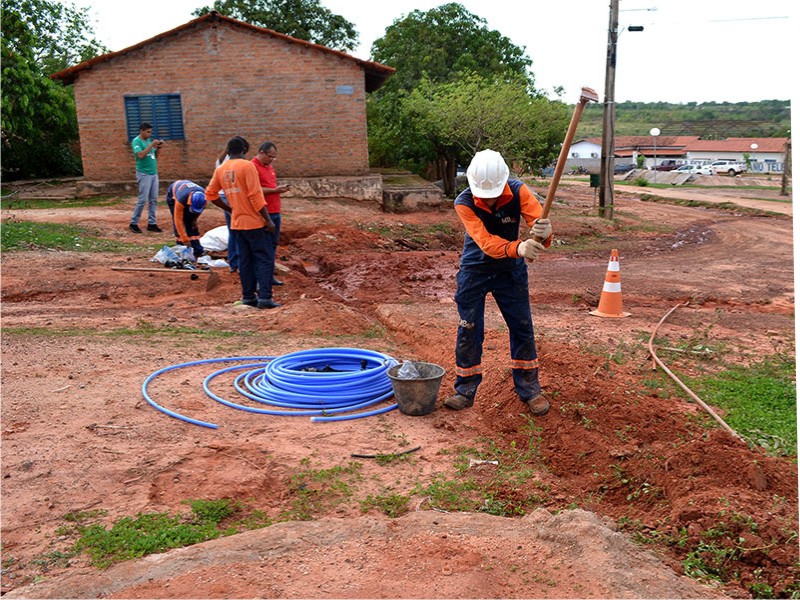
(250, 301)
(276, 282)
(268, 303)
(135, 228)
(459, 402)
(155, 228)
(538, 405)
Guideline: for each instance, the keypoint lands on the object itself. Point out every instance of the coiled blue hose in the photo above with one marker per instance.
(323, 383)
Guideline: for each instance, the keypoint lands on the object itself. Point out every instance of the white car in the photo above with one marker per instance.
(694, 169)
(727, 166)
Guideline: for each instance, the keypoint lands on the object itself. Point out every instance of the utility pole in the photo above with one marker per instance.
(606, 202)
(787, 169)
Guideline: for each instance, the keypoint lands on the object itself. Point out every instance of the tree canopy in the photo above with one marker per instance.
(459, 88)
(303, 19)
(39, 123)
(445, 124)
(444, 42)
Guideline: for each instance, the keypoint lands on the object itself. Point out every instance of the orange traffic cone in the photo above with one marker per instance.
(611, 298)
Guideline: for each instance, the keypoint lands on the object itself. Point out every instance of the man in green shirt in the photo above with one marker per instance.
(146, 177)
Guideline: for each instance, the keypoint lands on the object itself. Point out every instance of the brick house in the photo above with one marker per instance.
(215, 77)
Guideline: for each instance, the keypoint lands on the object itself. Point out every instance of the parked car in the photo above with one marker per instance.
(619, 169)
(668, 165)
(694, 169)
(727, 165)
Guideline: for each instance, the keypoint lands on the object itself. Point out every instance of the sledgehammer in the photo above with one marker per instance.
(587, 95)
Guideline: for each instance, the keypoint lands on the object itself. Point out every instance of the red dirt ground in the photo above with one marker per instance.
(615, 451)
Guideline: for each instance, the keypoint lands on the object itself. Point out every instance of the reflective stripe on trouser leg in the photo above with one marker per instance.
(512, 297)
(471, 300)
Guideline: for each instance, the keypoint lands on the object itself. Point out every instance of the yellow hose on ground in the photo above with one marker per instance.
(694, 396)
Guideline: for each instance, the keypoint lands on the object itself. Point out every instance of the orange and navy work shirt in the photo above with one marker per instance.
(492, 233)
(180, 192)
(269, 179)
(238, 178)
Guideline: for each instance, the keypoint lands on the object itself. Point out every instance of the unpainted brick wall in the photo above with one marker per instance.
(232, 81)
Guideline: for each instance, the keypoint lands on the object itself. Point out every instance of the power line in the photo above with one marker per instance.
(746, 19)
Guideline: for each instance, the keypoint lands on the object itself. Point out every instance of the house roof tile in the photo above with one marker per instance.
(624, 145)
(738, 145)
(375, 73)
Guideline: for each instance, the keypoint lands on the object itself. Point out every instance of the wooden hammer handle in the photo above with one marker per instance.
(164, 270)
(587, 95)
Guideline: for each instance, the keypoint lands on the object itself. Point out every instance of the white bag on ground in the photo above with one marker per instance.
(215, 240)
(215, 262)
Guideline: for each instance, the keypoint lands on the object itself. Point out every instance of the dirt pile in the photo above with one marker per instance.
(79, 339)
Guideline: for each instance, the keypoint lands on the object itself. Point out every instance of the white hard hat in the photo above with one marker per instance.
(487, 174)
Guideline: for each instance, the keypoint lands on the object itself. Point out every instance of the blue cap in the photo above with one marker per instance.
(197, 202)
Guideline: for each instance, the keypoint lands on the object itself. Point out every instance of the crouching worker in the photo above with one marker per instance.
(186, 201)
(493, 261)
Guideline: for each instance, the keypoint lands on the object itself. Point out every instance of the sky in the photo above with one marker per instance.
(689, 51)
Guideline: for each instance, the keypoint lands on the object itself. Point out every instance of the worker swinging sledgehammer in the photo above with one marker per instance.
(492, 260)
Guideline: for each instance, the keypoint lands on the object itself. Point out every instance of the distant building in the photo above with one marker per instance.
(766, 157)
(215, 77)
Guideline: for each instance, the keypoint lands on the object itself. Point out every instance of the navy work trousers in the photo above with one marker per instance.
(256, 262)
(510, 291)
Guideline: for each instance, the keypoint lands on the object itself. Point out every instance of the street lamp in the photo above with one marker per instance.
(753, 147)
(655, 132)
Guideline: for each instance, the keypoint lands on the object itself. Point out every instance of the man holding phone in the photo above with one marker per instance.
(267, 153)
(145, 153)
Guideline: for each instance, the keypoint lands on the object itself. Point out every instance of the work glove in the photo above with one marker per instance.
(197, 248)
(529, 249)
(542, 229)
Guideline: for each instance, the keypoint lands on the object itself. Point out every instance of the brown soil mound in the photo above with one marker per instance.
(79, 340)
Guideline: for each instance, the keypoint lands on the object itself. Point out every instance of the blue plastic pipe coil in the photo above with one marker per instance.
(327, 384)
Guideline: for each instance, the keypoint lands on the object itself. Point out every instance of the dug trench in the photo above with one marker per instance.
(612, 494)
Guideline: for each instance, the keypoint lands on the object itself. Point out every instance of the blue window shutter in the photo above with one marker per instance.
(163, 111)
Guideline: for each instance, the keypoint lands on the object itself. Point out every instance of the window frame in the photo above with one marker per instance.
(163, 111)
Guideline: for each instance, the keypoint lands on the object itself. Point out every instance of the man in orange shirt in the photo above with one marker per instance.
(251, 226)
(492, 210)
(267, 153)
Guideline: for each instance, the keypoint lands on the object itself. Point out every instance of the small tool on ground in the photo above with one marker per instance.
(213, 277)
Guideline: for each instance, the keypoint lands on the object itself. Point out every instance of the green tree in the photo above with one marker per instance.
(443, 43)
(303, 19)
(39, 125)
(452, 121)
(459, 87)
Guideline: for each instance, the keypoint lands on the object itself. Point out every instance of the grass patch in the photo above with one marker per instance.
(27, 235)
(760, 401)
(317, 491)
(724, 206)
(507, 488)
(143, 328)
(417, 234)
(392, 505)
(152, 329)
(134, 537)
(9, 203)
(715, 554)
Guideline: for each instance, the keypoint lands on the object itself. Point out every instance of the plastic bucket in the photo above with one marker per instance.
(417, 396)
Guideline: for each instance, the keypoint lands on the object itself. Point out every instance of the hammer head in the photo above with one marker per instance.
(213, 281)
(588, 95)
